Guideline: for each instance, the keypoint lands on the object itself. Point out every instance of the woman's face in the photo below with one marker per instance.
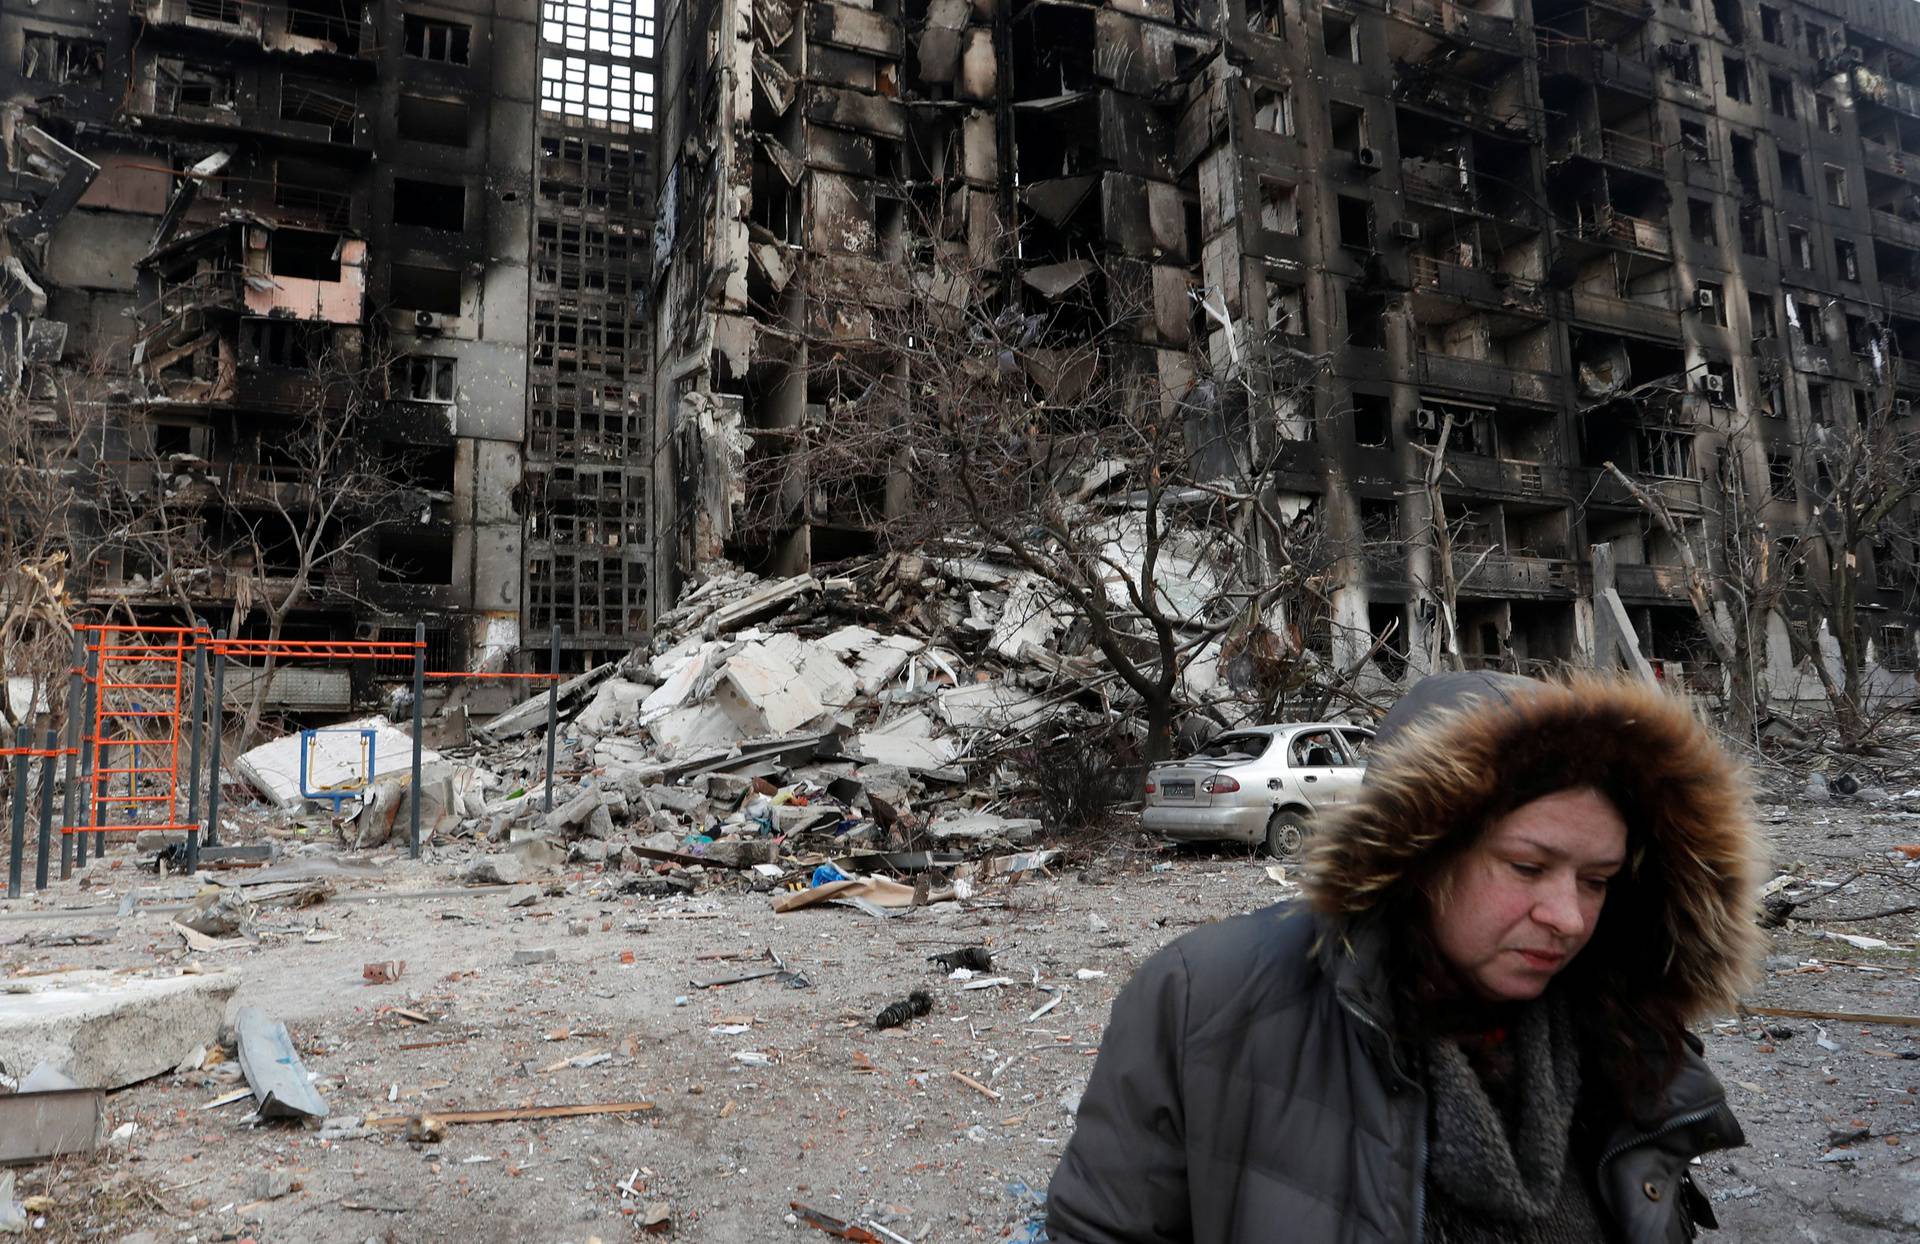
(1524, 899)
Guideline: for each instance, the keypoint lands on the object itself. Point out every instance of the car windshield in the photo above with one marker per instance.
(1235, 747)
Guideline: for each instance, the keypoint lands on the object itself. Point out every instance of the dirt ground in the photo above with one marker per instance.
(824, 1110)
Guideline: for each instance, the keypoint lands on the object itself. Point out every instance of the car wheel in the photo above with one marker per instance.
(1286, 831)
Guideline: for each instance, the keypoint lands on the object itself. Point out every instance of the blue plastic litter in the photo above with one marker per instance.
(825, 873)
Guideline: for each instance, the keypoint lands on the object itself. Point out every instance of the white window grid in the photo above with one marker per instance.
(603, 94)
(618, 28)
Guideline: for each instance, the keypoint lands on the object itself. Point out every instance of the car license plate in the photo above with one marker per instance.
(1178, 790)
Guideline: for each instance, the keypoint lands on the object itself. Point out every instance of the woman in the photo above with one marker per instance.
(1474, 1028)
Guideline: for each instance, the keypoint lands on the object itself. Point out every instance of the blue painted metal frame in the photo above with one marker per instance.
(337, 795)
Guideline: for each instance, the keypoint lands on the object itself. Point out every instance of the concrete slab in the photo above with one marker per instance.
(906, 742)
(766, 693)
(107, 1031)
(996, 704)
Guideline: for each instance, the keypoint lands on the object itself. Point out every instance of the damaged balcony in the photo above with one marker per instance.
(1593, 64)
(1607, 21)
(259, 268)
(1487, 377)
(1492, 573)
(1500, 109)
(1445, 288)
(1471, 39)
(1636, 153)
(299, 27)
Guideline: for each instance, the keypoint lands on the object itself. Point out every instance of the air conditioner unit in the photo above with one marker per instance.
(1704, 299)
(1716, 386)
(1406, 230)
(1369, 158)
(426, 322)
(1902, 407)
(1426, 419)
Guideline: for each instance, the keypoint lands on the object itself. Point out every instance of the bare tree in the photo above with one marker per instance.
(1866, 468)
(1130, 485)
(307, 519)
(1735, 573)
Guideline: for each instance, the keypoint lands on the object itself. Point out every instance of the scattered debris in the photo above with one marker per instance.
(106, 1030)
(279, 1079)
(384, 972)
(974, 958)
(445, 1118)
(528, 955)
(898, 1014)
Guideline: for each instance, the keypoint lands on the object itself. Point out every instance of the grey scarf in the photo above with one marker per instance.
(1507, 1164)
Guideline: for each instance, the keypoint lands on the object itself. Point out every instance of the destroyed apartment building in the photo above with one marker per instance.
(249, 223)
(1568, 233)
(567, 341)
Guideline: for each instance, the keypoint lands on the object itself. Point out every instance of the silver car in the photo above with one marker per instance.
(1257, 785)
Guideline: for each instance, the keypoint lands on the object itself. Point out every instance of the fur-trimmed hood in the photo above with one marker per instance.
(1460, 750)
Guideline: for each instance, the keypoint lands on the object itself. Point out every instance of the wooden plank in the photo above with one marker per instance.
(1837, 1017)
(520, 1112)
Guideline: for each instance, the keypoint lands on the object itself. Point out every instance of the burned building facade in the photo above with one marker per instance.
(1569, 233)
(243, 219)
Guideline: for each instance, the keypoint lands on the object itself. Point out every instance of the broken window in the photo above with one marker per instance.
(1470, 433)
(1273, 109)
(1772, 29)
(1279, 206)
(416, 556)
(1683, 59)
(1286, 306)
(1694, 141)
(1712, 303)
(318, 102)
(51, 58)
(1819, 403)
(427, 467)
(1813, 330)
(1895, 648)
(425, 378)
(1372, 420)
(1349, 126)
(1800, 246)
(307, 254)
(1666, 452)
(1356, 223)
(1780, 96)
(294, 344)
(1366, 320)
(443, 122)
(1700, 221)
(1827, 113)
(1746, 168)
(1760, 319)
(1846, 260)
(1735, 68)
(429, 204)
(1816, 41)
(1753, 230)
(1267, 17)
(1793, 176)
(179, 86)
(1780, 481)
(1340, 35)
(418, 287)
(429, 38)
(1836, 182)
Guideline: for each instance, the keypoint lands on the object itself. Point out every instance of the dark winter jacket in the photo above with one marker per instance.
(1251, 1086)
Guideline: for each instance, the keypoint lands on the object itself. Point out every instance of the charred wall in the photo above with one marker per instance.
(1571, 232)
(279, 183)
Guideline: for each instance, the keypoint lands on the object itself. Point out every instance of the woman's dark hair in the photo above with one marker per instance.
(1631, 1045)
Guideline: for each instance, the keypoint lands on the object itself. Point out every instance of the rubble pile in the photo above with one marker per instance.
(782, 725)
